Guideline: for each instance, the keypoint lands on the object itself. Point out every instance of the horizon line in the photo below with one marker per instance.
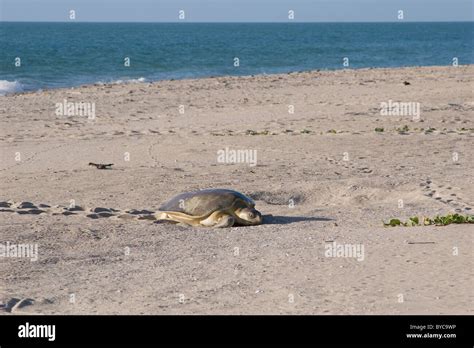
(240, 22)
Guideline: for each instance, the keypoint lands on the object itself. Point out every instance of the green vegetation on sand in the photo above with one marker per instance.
(438, 221)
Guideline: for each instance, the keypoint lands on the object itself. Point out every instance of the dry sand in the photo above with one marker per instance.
(343, 177)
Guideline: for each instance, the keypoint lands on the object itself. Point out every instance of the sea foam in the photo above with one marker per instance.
(126, 81)
(10, 87)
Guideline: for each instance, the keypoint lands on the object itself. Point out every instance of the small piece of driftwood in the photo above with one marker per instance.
(101, 165)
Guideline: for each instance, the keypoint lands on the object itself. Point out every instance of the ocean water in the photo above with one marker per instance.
(68, 54)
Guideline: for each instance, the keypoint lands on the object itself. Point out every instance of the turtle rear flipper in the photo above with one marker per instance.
(175, 216)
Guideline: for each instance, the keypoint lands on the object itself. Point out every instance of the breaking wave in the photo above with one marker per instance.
(10, 87)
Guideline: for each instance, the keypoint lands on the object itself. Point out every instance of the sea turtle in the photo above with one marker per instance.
(210, 208)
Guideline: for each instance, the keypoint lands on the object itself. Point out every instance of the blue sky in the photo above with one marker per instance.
(236, 10)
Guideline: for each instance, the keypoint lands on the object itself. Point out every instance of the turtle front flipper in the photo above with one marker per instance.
(218, 219)
(225, 221)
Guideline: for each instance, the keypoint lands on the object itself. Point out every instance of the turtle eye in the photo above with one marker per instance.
(251, 215)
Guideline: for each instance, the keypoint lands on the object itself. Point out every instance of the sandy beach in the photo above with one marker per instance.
(331, 165)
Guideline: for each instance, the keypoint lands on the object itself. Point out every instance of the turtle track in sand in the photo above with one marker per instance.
(28, 208)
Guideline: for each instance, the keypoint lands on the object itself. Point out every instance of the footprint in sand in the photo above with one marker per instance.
(14, 304)
(26, 205)
(23, 208)
(31, 211)
(139, 212)
(445, 194)
(75, 208)
(100, 215)
(5, 207)
(100, 212)
(350, 165)
(62, 210)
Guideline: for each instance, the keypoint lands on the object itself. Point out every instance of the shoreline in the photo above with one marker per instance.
(186, 79)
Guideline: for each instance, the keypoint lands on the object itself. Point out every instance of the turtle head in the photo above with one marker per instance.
(249, 216)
